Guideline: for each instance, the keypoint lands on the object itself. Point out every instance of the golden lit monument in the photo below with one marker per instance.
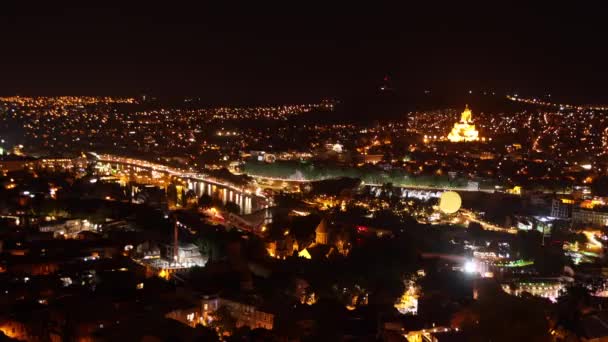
(464, 130)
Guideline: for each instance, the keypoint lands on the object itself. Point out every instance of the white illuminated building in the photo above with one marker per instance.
(545, 288)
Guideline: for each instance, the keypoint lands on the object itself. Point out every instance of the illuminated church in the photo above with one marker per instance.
(464, 130)
(327, 241)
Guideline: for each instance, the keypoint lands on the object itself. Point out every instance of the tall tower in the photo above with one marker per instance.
(175, 240)
(321, 233)
(467, 115)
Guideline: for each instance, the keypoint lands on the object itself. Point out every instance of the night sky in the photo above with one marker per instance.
(296, 53)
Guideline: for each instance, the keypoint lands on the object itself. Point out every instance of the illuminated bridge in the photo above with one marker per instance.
(248, 197)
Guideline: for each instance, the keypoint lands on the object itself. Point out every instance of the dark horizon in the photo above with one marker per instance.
(273, 55)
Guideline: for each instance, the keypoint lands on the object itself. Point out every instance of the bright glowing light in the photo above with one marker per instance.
(450, 202)
(408, 302)
(304, 254)
(464, 130)
(163, 274)
(470, 266)
(593, 242)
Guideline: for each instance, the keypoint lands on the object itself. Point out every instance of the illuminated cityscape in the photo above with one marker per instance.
(178, 174)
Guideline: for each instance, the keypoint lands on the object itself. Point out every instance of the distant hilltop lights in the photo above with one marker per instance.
(560, 106)
(463, 130)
